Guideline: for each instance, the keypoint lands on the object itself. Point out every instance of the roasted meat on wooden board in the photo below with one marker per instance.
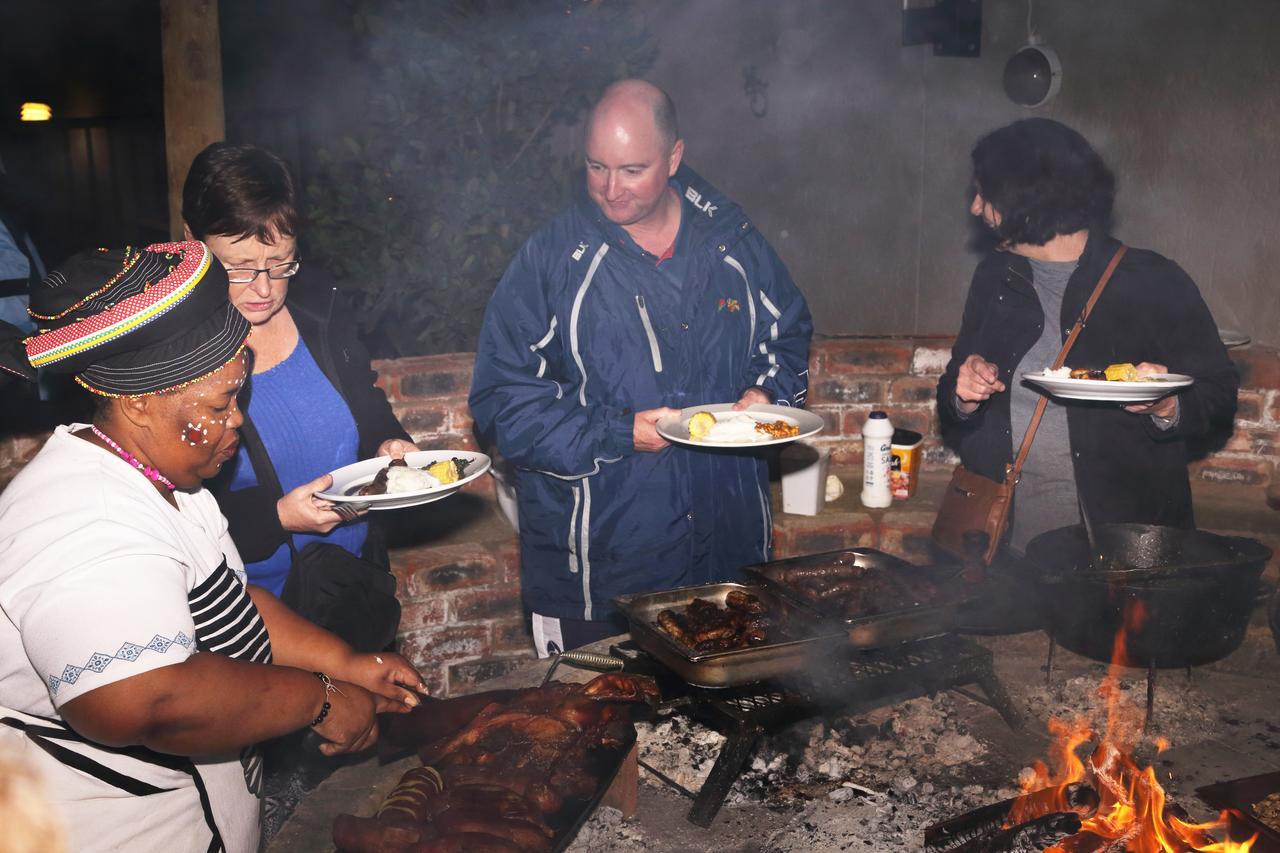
(502, 782)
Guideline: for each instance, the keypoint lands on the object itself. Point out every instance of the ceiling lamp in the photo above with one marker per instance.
(1033, 75)
(33, 111)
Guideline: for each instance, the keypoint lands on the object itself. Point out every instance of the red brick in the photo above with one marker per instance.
(464, 676)
(865, 355)
(851, 425)
(1259, 367)
(422, 613)
(438, 383)
(781, 534)
(428, 569)
(446, 375)
(831, 418)
(433, 648)
(919, 419)
(449, 441)
(460, 418)
(474, 605)
(831, 535)
(1274, 410)
(420, 419)
(914, 546)
(388, 378)
(913, 389)
(846, 389)
(931, 360)
(1250, 405)
(1259, 442)
(509, 556)
(510, 635)
(1233, 471)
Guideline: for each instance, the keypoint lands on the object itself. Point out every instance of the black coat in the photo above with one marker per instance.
(1126, 468)
(324, 322)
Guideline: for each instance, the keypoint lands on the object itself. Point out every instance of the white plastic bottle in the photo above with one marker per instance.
(877, 437)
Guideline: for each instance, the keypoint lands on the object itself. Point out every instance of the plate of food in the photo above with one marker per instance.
(420, 477)
(1116, 383)
(718, 425)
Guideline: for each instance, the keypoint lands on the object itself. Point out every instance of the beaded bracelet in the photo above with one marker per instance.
(329, 687)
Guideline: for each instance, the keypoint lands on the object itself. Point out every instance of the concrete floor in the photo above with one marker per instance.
(1224, 723)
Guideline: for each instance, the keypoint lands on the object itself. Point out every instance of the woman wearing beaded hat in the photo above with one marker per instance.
(312, 405)
(137, 669)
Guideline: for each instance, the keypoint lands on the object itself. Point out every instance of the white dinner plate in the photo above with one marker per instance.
(1105, 390)
(676, 427)
(348, 478)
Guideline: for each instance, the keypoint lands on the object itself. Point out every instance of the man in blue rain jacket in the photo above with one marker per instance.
(652, 293)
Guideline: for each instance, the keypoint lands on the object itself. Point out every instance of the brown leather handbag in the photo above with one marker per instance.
(973, 502)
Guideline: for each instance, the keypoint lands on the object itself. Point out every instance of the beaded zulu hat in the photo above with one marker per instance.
(137, 321)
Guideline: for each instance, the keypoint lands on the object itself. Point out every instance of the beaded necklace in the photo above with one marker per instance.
(147, 471)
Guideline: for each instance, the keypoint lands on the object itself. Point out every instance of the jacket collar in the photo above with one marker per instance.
(1098, 249)
(708, 218)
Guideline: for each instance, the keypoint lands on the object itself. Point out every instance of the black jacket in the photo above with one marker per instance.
(323, 320)
(1126, 468)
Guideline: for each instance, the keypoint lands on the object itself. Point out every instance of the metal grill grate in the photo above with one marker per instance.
(871, 678)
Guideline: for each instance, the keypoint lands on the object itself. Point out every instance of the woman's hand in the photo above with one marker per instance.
(351, 724)
(389, 677)
(977, 380)
(396, 448)
(1165, 407)
(301, 512)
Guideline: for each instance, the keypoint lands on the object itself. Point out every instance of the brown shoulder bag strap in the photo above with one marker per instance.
(1015, 470)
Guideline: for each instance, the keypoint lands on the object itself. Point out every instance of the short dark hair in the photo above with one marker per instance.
(1044, 179)
(239, 191)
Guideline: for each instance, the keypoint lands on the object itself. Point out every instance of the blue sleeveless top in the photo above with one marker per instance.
(307, 430)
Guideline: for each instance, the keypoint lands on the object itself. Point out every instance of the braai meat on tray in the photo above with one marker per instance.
(703, 627)
(517, 778)
(854, 590)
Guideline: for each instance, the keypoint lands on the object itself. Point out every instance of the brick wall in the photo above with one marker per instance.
(461, 592)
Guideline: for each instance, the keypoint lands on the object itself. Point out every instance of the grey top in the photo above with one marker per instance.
(1046, 495)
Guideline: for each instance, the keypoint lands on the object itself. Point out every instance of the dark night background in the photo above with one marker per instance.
(849, 150)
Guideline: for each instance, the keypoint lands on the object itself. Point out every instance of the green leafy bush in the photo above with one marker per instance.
(419, 208)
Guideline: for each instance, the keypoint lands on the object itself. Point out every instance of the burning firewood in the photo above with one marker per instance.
(974, 830)
(1033, 836)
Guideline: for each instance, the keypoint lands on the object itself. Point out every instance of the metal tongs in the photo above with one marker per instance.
(583, 660)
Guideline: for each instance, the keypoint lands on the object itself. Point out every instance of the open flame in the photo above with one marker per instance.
(1131, 812)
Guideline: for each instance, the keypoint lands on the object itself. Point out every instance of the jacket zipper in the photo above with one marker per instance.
(648, 330)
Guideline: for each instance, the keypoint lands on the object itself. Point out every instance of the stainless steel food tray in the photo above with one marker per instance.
(814, 638)
(881, 629)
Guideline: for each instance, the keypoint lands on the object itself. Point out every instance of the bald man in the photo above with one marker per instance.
(651, 293)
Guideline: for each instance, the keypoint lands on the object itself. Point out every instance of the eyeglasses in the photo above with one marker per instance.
(246, 275)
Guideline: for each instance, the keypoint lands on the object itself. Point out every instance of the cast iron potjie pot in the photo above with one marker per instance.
(1195, 592)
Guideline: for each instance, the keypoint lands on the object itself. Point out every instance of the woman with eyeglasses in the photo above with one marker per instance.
(311, 405)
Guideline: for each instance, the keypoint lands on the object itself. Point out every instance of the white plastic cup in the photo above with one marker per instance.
(804, 478)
